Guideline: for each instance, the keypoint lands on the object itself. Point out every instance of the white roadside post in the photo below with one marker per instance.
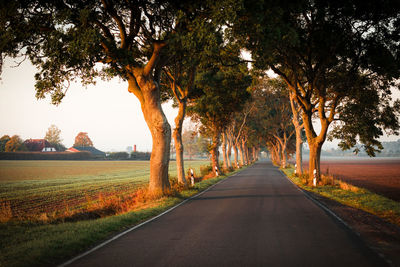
(315, 177)
(192, 176)
(295, 168)
(216, 171)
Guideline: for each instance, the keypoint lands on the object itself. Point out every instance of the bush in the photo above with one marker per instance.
(45, 156)
(205, 169)
(140, 156)
(118, 155)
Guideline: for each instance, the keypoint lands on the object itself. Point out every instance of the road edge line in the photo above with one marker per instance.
(141, 224)
(340, 220)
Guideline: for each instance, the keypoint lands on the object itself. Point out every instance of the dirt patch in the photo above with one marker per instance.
(381, 176)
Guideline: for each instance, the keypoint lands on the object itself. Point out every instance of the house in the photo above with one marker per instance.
(38, 145)
(72, 150)
(92, 150)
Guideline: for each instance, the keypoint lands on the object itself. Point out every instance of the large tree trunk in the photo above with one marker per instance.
(315, 143)
(299, 152)
(160, 132)
(314, 161)
(214, 150)
(180, 167)
(298, 128)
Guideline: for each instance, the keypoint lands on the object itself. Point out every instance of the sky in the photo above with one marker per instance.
(110, 115)
(106, 111)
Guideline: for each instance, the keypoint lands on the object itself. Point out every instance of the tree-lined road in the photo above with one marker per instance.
(255, 218)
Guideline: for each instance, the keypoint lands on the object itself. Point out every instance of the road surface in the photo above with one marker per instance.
(255, 218)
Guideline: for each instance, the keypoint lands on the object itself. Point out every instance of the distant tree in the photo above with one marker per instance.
(224, 93)
(189, 140)
(82, 139)
(3, 141)
(53, 137)
(15, 144)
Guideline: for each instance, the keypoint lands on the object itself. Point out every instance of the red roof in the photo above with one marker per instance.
(72, 150)
(36, 144)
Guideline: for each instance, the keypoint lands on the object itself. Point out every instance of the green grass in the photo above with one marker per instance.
(25, 243)
(355, 197)
(35, 187)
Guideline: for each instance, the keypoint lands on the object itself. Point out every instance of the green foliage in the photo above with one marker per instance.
(339, 58)
(223, 93)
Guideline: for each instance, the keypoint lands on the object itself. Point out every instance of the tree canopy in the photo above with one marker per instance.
(82, 139)
(332, 55)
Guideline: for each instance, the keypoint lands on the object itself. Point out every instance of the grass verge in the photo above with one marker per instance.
(353, 196)
(43, 244)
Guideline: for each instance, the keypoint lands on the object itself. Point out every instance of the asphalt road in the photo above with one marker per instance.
(256, 218)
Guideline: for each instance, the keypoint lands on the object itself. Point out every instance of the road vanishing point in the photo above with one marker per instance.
(254, 218)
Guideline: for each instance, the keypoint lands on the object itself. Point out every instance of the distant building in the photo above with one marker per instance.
(38, 145)
(129, 149)
(92, 150)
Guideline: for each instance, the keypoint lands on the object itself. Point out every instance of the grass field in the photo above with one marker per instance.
(30, 188)
(52, 185)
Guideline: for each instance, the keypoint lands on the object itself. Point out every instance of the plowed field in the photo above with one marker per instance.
(379, 175)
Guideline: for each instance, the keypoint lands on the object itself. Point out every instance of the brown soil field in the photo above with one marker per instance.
(379, 175)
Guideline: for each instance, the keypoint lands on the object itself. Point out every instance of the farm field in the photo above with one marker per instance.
(379, 175)
(35, 187)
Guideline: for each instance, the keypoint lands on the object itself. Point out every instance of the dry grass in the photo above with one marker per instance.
(5, 212)
(350, 195)
(87, 197)
(63, 187)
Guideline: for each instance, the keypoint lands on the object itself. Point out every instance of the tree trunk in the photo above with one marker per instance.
(299, 152)
(235, 153)
(180, 167)
(241, 154)
(214, 150)
(315, 143)
(160, 132)
(283, 157)
(244, 148)
(229, 151)
(224, 152)
(314, 161)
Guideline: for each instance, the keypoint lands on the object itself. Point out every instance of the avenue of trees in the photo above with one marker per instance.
(337, 62)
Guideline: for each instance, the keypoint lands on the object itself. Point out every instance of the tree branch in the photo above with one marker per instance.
(158, 45)
(122, 31)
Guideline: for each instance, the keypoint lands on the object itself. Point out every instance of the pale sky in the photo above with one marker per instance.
(110, 115)
(106, 111)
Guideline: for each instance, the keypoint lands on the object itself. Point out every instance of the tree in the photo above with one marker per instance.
(15, 144)
(70, 40)
(224, 92)
(53, 137)
(338, 59)
(189, 140)
(3, 141)
(82, 139)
